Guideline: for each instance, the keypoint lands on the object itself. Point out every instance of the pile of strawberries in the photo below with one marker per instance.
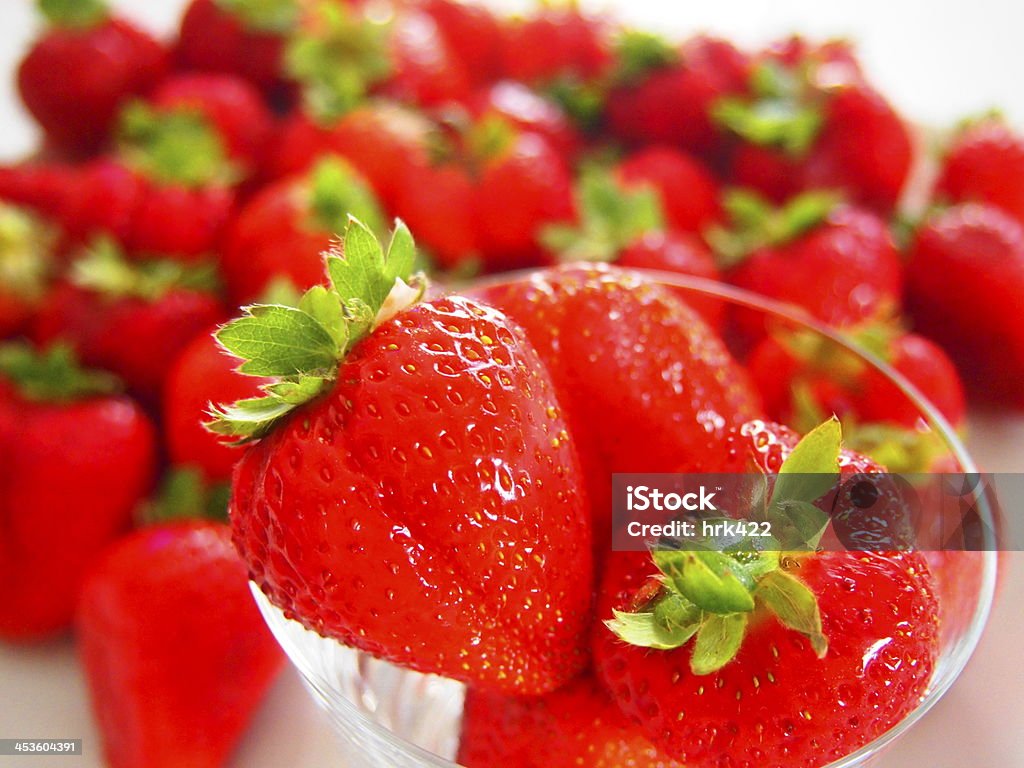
(428, 479)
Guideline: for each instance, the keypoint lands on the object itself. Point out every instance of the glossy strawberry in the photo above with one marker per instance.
(665, 93)
(688, 192)
(657, 412)
(557, 43)
(428, 478)
(964, 279)
(817, 125)
(578, 726)
(175, 652)
(282, 232)
(984, 164)
(41, 187)
(528, 110)
(238, 37)
(84, 66)
(424, 70)
(78, 458)
(27, 263)
(130, 319)
(838, 262)
(472, 33)
(791, 659)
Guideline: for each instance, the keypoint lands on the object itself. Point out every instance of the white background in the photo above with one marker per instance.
(937, 61)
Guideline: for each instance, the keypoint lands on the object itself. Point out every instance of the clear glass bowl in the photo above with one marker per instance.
(396, 718)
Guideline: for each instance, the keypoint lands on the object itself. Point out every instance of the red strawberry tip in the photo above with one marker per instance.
(300, 347)
(52, 375)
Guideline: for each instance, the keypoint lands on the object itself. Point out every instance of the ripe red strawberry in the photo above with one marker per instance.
(428, 478)
(817, 125)
(522, 186)
(423, 69)
(985, 164)
(42, 187)
(283, 230)
(964, 281)
(77, 460)
(688, 192)
(77, 74)
(665, 93)
(578, 726)
(201, 375)
(797, 659)
(27, 251)
(667, 408)
(838, 262)
(557, 43)
(472, 33)
(227, 105)
(381, 139)
(527, 110)
(175, 652)
(627, 226)
(132, 319)
(237, 37)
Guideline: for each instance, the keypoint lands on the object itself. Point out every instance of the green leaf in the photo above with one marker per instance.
(52, 375)
(27, 246)
(638, 53)
(812, 468)
(74, 14)
(359, 272)
(781, 123)
(713, 581)
(297, 392)
(279, 341)
(802, 214)
(401, 256)
(718, 640)
(794, 605)
(338, 191)
(185, 495)
(647, 631)
(104, 268)
(798, 525)
(273, 16)
(248, 419)
(324, 306)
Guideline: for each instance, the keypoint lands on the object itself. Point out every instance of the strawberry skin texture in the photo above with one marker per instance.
(578, 726)
(985, 164)
(776, 704)
(72, 474)
(652, 412)
(135, 339)
(518, 192)
(213, 40)
(202, 374)
(175, 652)
(965, 278)
(844, 271)
(688, 192)
(427, 509)
(73, 81)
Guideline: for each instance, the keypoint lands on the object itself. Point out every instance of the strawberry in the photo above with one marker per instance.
(202, 374)
(27, 246)
(626, 225)
(838, 262)
(652, 412)
(226, 105)
(76, 75)
(664, 94)
(424, 69)
(132, 319)
(282, 231)
(817, 125)
(522, 186)
(426, 446)
(528, 110)
(472, 33)
(577, 726)
(237, 37)
(688, 192)
(78, 458)
(176, 654)
(557, 43)
(985, 164)
(41, 187)
(797, 658)
(964, 279)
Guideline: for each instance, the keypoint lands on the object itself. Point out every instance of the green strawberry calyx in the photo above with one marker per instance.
(785, 112)
(755, 223)
(300, 347)
(337, 190)
(74, 14)
(184, 494)
(638, 52)
(103, 268)
(53, 375)
(612, 217)
(711, 593)
(174, 146)
(26, 253)
(337, 54)
(268, 16)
